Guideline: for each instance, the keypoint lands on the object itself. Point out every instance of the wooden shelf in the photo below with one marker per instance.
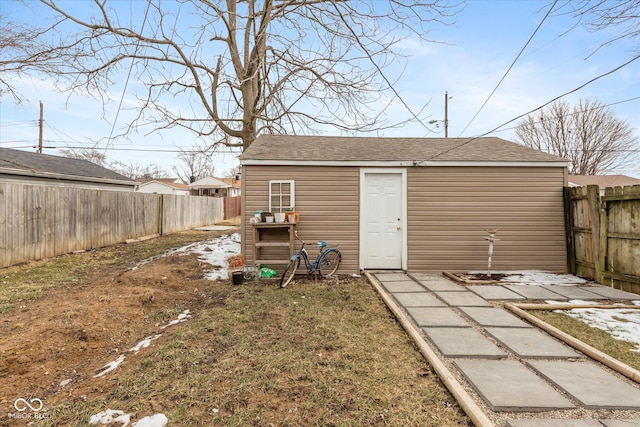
(273, 235)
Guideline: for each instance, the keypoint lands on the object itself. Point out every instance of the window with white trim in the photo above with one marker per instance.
(281, 195)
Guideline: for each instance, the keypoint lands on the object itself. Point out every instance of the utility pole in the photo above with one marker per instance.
(41, 123)
(446, 114)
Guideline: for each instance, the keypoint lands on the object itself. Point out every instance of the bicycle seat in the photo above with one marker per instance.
(321, 244)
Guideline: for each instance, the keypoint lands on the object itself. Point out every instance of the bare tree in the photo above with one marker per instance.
(621, 17)
(588, 135)
(133, 170)
(194, 164)
(244, 67)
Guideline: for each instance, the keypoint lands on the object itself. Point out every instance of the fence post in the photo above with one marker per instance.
(602, 254)
(568, 225)
(593, 199)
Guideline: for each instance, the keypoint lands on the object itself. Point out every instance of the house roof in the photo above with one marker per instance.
(416, 151)
(602, 181)
(209, 182)
(231, 181)
(167, 182)
(18, 162)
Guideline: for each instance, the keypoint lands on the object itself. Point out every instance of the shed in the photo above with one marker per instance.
(418, 204)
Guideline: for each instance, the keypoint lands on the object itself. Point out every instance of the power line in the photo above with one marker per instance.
(537, 108)
(565, 94)
(510, 67)
(126, 82)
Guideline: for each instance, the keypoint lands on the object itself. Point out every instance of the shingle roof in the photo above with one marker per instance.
(25, 161)
(603, 181)
(339, 148)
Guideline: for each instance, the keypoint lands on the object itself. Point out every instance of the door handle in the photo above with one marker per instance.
(398, 228)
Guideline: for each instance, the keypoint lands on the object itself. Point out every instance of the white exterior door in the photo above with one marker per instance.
(383, 219)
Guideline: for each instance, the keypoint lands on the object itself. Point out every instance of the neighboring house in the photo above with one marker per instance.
(43, 169)
(418, 204)
(602, 181)
(215, 187)
(164, 186)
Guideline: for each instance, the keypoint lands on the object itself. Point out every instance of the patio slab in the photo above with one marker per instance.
(493, 316)
(507, 385)
(402, 286)
(418, 299)
(535, 292)
(463, 298)
(621, 423)
(612, 293)
(495, 292)
(554, 422)
(437, 316)
(573, 292)
(442, 285)
(430, 277)
(531, 343)
(463, 342)
(589, 384)
(392, 277)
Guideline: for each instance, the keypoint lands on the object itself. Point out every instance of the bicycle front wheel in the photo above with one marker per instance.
(330, 262)
(289, 272)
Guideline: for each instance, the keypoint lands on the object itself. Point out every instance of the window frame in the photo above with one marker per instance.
(292, 194)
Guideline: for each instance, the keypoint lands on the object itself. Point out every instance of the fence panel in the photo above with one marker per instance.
(604, 242)
(232, 207)
(38, 222)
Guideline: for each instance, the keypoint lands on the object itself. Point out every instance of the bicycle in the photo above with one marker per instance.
(326, 263)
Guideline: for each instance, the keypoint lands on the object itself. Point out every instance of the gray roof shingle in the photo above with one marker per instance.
(339, 148)
(48, 164)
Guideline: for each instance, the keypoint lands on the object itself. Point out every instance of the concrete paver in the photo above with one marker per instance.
(496, 292)
(589, 384)
(531, 343)
(392, 277)
(426, 276)
(402, 286)
(573, 292)
(492, 316)
(549, 422)
(463, 342)
(507, 385)
(418, 299)
(612, 293)
(621, 423)
(533, 292)
(463, 298)
(437, 316)
(443, 285)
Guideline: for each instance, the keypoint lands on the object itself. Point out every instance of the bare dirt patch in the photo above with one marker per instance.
(52, 346)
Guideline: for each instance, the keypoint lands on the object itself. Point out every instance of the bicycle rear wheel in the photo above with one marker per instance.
(289, 272)
(330, 262)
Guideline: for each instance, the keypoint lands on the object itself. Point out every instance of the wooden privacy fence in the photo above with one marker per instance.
(232, 207)
(603, 235)
(38, 222)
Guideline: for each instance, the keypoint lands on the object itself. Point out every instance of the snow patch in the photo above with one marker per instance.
(110, 366)
(622, 324)
(182, 317)
(110, 416)
(144, 343)
(539, 277)
(155, 420)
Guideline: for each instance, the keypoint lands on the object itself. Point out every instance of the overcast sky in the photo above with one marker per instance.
(472, 58)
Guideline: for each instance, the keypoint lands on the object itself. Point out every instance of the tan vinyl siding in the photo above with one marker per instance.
(326, 199)
(449, 208)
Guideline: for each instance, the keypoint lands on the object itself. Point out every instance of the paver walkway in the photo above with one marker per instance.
(512, 365)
